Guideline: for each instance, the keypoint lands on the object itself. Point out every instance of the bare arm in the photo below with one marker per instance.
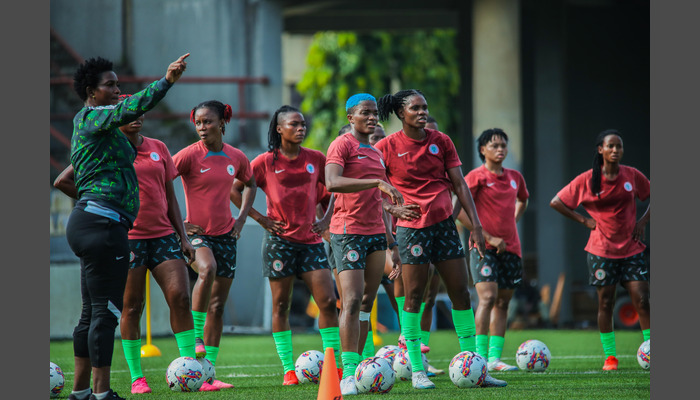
(520, 207)
(336, 182)
(321, 225)
(394, 248)
(476, 236)
(270, 225)
(558, 205)
(494, 241)
(65, 182)
(175, 218)
(247, 198)
(639, 232)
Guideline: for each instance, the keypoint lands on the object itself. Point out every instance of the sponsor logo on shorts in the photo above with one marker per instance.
(513, 184)
(277, 265)
(230, 170)
(486, 270)
(599, 274)
(416, 250)
(433, 149)
(197, 241)
(352, 255)
(155, 156)
(627, 186)
(310, 168)
(132, 256)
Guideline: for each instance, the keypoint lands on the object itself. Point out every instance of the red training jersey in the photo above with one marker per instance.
(495, 197)
(154, 167)
(292, 188)
(207, 178)
(615, 212)
(360, 212)
(418, 169)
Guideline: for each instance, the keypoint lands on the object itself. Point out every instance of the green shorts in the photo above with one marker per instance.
(506, 268)
(224, 249)
(609, 271)
(282, 258)
(435, 243)
(152, 252)
(350, 251)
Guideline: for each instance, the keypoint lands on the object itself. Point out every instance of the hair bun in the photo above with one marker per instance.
(228, 113)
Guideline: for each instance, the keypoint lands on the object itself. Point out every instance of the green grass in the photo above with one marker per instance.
(251, 363)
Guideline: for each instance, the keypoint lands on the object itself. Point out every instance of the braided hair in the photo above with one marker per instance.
(598, 161)
(88, 75)
(224, 111)
(392, 103)
(274, 139)
(486, 137)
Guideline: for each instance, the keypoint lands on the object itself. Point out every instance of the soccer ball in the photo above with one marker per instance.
(644, 354)
(56, 379)
(374, 375)
(184, 374)
(388, 352)
(208, 371)
(402, 365)
(533, 356)
(308, 366)
(468, 369)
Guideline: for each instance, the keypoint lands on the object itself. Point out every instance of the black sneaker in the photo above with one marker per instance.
(74, 397)
(111, 395)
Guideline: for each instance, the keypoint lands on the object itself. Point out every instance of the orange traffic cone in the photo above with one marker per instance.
(329, 388)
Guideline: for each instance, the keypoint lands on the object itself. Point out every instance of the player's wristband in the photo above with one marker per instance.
(391, 246)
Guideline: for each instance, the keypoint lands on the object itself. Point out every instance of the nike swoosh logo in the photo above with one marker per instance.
(119, 258)
(402, 154)
(517, 280)
(204, 170)
(361, 157)
(643, 273)
(171, 250)
(278, 171)
(490, 184)
(322, 259)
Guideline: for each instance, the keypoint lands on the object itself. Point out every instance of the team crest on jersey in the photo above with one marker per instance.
(433, 149)
(277, 265)
(310, 168)
(155, 156)
(132, 257)
(416, 250)
(196, 241)
(486, 270)
(352, 255)
(599, 274)
(627, 186)
(513, 184)
(230, 170)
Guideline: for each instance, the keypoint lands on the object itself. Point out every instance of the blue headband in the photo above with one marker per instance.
(355, 99)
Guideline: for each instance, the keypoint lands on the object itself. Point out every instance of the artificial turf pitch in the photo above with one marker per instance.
(250, 362)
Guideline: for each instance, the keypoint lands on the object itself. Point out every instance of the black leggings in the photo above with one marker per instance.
(103, 248)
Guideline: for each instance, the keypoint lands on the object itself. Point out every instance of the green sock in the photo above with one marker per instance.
(331, 338)
(283, 342)
(466, 329)
(411, 332)
(185, 343)
(496, 347)
(425, 337)
(350, 361)
(482, 345)
(132, 353)
(199, 318)
(400, 301)
(368, 350)
(608, 341)
(647, 334)
(212, 353)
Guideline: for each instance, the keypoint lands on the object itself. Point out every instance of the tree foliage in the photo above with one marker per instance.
(340, 64)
